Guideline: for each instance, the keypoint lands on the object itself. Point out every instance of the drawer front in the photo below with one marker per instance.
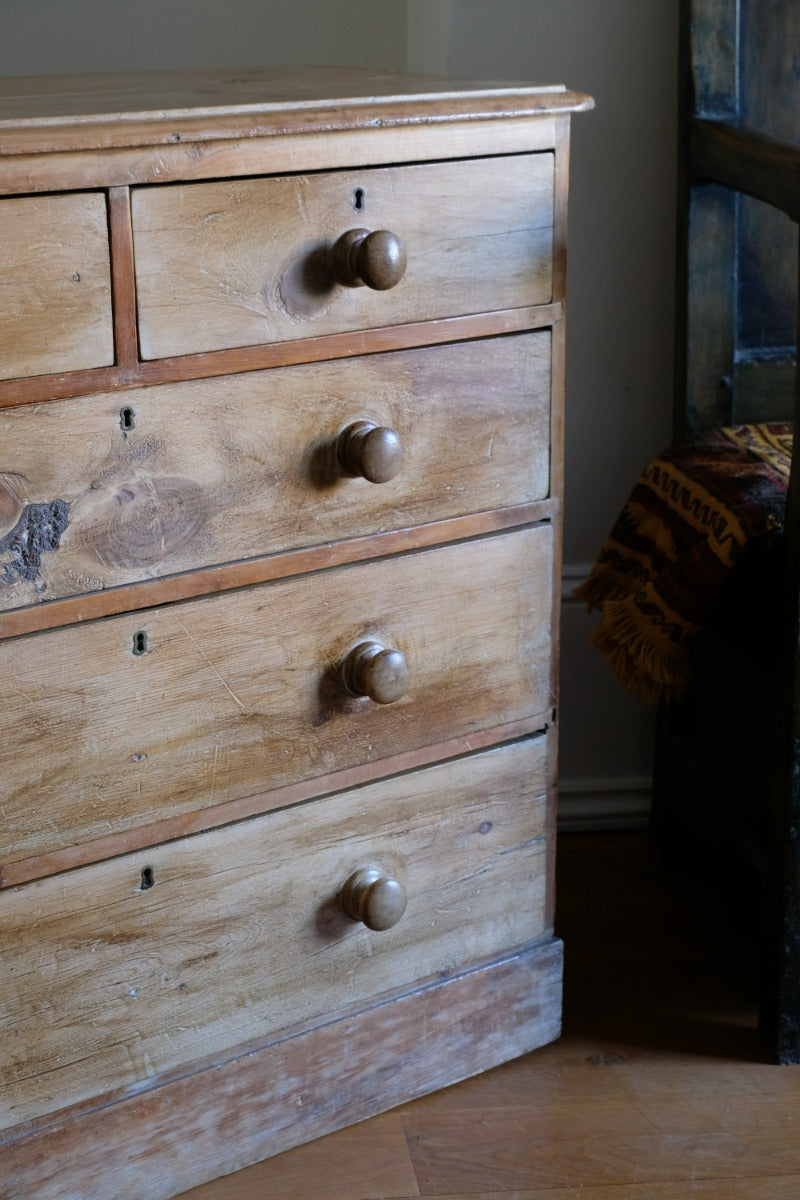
(238, 263)
(118, 723)
(55, 285)
(168, 479)
(107, 983)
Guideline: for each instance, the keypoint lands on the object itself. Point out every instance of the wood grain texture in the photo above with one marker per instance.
(55, 290)
(557, 438)
(711, 33)
(41, 390)
(560, 207)
(741, 126)
(83, 112)
(489, 1169)
(128, 971)
(123, 282)
(656, 1088)
(659, 1035)
(138, 718)
(370, 1159)
(769, 168)
(181, 1133)
(710, 319)
(749, 162)
(243, 156)
(227, 577)
(168, 829)
(240, 262)
(174, 478)
(165, 96)
(194, 791)
(659, 1045)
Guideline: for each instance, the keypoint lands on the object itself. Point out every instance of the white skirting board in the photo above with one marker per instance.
(587, 805)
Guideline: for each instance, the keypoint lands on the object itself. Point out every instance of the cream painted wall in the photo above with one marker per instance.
(620, 325)
(621, 236)
(62, 36)
(430, 28)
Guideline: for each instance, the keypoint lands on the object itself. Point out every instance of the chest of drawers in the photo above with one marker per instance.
(281, 373)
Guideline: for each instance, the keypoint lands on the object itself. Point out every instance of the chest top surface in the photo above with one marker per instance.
(152, 108)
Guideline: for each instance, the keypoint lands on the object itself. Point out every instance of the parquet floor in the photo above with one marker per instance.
(655, 1091)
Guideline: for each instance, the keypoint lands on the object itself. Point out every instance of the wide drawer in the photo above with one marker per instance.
(111, 725)
(55, 285)
(120, 972)
(115, 489)
(241, 262)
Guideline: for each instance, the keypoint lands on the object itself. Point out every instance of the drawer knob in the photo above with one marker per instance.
(373, 670)
(376, 260)
(371, 451)
(376, 900)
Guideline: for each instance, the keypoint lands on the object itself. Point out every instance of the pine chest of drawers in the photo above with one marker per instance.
(281, 364)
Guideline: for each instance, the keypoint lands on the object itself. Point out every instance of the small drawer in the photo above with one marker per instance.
(111, 725)
(116, 974)
(113, 489)
(55, 285)
(237, 263)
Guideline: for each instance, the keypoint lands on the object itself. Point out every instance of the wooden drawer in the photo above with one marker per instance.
(55, 286)
(135, 719)
(167, 479)
(240, 262)
(107, 983)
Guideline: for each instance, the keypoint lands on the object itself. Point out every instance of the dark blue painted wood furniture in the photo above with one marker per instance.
(727, 780)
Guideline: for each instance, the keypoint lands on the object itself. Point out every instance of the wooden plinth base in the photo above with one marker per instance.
(275, 1096)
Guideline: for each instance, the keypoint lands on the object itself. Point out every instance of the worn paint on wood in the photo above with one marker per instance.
(246, 261)
(174, 478)
(250, 1107)
(115, 724)
(178, 1005)
(55, 285)
(121, 973)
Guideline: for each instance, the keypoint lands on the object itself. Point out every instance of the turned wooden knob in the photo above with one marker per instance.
(369, 450)
(374, 899)
(373, 670)
(376, 260)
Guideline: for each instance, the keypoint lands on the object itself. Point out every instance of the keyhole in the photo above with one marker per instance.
(140, 642)
(127, 419)
(148, 878)
(358, 199)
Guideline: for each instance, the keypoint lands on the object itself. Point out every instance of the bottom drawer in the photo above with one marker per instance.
(123, 972)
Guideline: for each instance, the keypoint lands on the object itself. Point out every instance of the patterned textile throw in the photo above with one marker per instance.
(669, 557)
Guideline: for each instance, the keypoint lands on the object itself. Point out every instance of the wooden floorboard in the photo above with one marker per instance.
(370, 1159)
(656, 1091)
